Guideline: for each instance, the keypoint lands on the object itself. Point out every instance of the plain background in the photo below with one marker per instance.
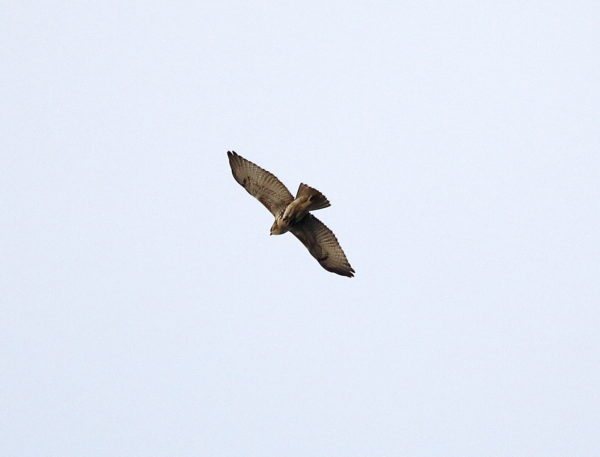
(145, 311)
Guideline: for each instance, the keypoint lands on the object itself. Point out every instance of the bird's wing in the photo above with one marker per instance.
(259, 183)
(323, 245)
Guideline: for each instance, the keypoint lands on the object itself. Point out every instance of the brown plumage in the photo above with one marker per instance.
(293, 214)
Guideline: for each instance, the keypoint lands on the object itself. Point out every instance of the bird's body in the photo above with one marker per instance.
(293, 213)
(307, 199)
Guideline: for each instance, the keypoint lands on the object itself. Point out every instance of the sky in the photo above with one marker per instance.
(146, 311)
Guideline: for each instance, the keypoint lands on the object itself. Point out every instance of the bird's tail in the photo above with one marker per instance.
(315, 199)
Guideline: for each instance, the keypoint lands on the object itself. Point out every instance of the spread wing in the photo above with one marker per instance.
(259, 183)
(323, 245)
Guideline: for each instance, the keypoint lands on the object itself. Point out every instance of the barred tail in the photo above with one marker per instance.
(316, 200)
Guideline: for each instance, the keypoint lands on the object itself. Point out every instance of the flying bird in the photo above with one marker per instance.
(293, 214)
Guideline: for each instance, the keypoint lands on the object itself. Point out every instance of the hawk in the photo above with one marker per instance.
(293, 214)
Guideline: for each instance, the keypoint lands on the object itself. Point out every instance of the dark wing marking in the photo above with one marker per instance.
(323, 245)
(259, 183)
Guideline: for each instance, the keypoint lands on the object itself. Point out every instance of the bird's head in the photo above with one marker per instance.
(276, 228)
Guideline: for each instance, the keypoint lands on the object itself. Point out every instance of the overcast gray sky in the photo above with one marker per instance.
(147, 312)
